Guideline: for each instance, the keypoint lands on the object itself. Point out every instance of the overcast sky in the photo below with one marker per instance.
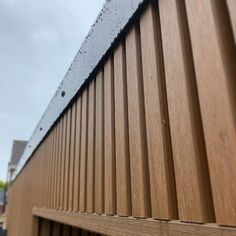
(38, 41)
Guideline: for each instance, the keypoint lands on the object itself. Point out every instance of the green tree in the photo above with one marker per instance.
(2, 184)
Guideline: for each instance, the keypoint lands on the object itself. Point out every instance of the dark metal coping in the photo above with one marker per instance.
(114, 17)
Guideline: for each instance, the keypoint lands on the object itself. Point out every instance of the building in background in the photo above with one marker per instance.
(18, 148)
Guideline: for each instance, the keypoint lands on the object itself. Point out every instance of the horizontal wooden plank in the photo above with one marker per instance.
(115, 225)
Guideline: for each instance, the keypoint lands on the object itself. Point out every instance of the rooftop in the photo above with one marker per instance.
(18, 148)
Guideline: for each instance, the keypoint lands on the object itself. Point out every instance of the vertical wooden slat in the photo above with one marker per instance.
(72, 156)
(67, 159)
(45, 228)
(44, 173)
(57, 190)
(66, 230)
(162, 183)
(56, 229)
(99, 149)
(50, 150)
(75, 232)
(55, 167)
(41, 178)
(51, 168)
(63, 162)
(121, 134)
(109, 138)
(43, 183)
(83, 153)
(91, 153)
(46, 168)
(35, 182)
(137, 138)
(217, 102)
(77, 156)
(55, 196)
(35, 226)
(185, 120)
(59, 164)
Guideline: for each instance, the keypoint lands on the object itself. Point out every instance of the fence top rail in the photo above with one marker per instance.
(108, 26)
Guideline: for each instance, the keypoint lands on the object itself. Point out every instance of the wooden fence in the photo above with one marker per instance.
(152, 135)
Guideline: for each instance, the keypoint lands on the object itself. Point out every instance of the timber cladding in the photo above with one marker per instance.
(152, 135)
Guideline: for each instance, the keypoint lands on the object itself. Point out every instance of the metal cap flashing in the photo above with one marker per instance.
(111, 21)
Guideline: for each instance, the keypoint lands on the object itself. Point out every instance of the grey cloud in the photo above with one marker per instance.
(38, 41)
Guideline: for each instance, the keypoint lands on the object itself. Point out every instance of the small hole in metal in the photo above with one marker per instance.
(63, 93)
(41, 129)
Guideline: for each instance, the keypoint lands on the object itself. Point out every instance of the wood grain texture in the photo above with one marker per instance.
(45, 180)
(137, 138)
(41, 179)
(216, 101)
(162, 183)
(111, 225)
(91, 149)
(189, 152)
(72, 156)
(123, 187)
(67, 159)
(59, 165)
(49, 177)
(99, 146)
(44, 183)
(53, 169)
(55, 176)
(46, 175)
(63, 163)
(77, 156)
(49, 167)
(109, 140)
(83, 153)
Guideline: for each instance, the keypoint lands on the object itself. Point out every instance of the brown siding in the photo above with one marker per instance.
(152, 135)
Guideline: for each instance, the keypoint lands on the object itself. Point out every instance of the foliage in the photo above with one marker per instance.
(2, 184)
